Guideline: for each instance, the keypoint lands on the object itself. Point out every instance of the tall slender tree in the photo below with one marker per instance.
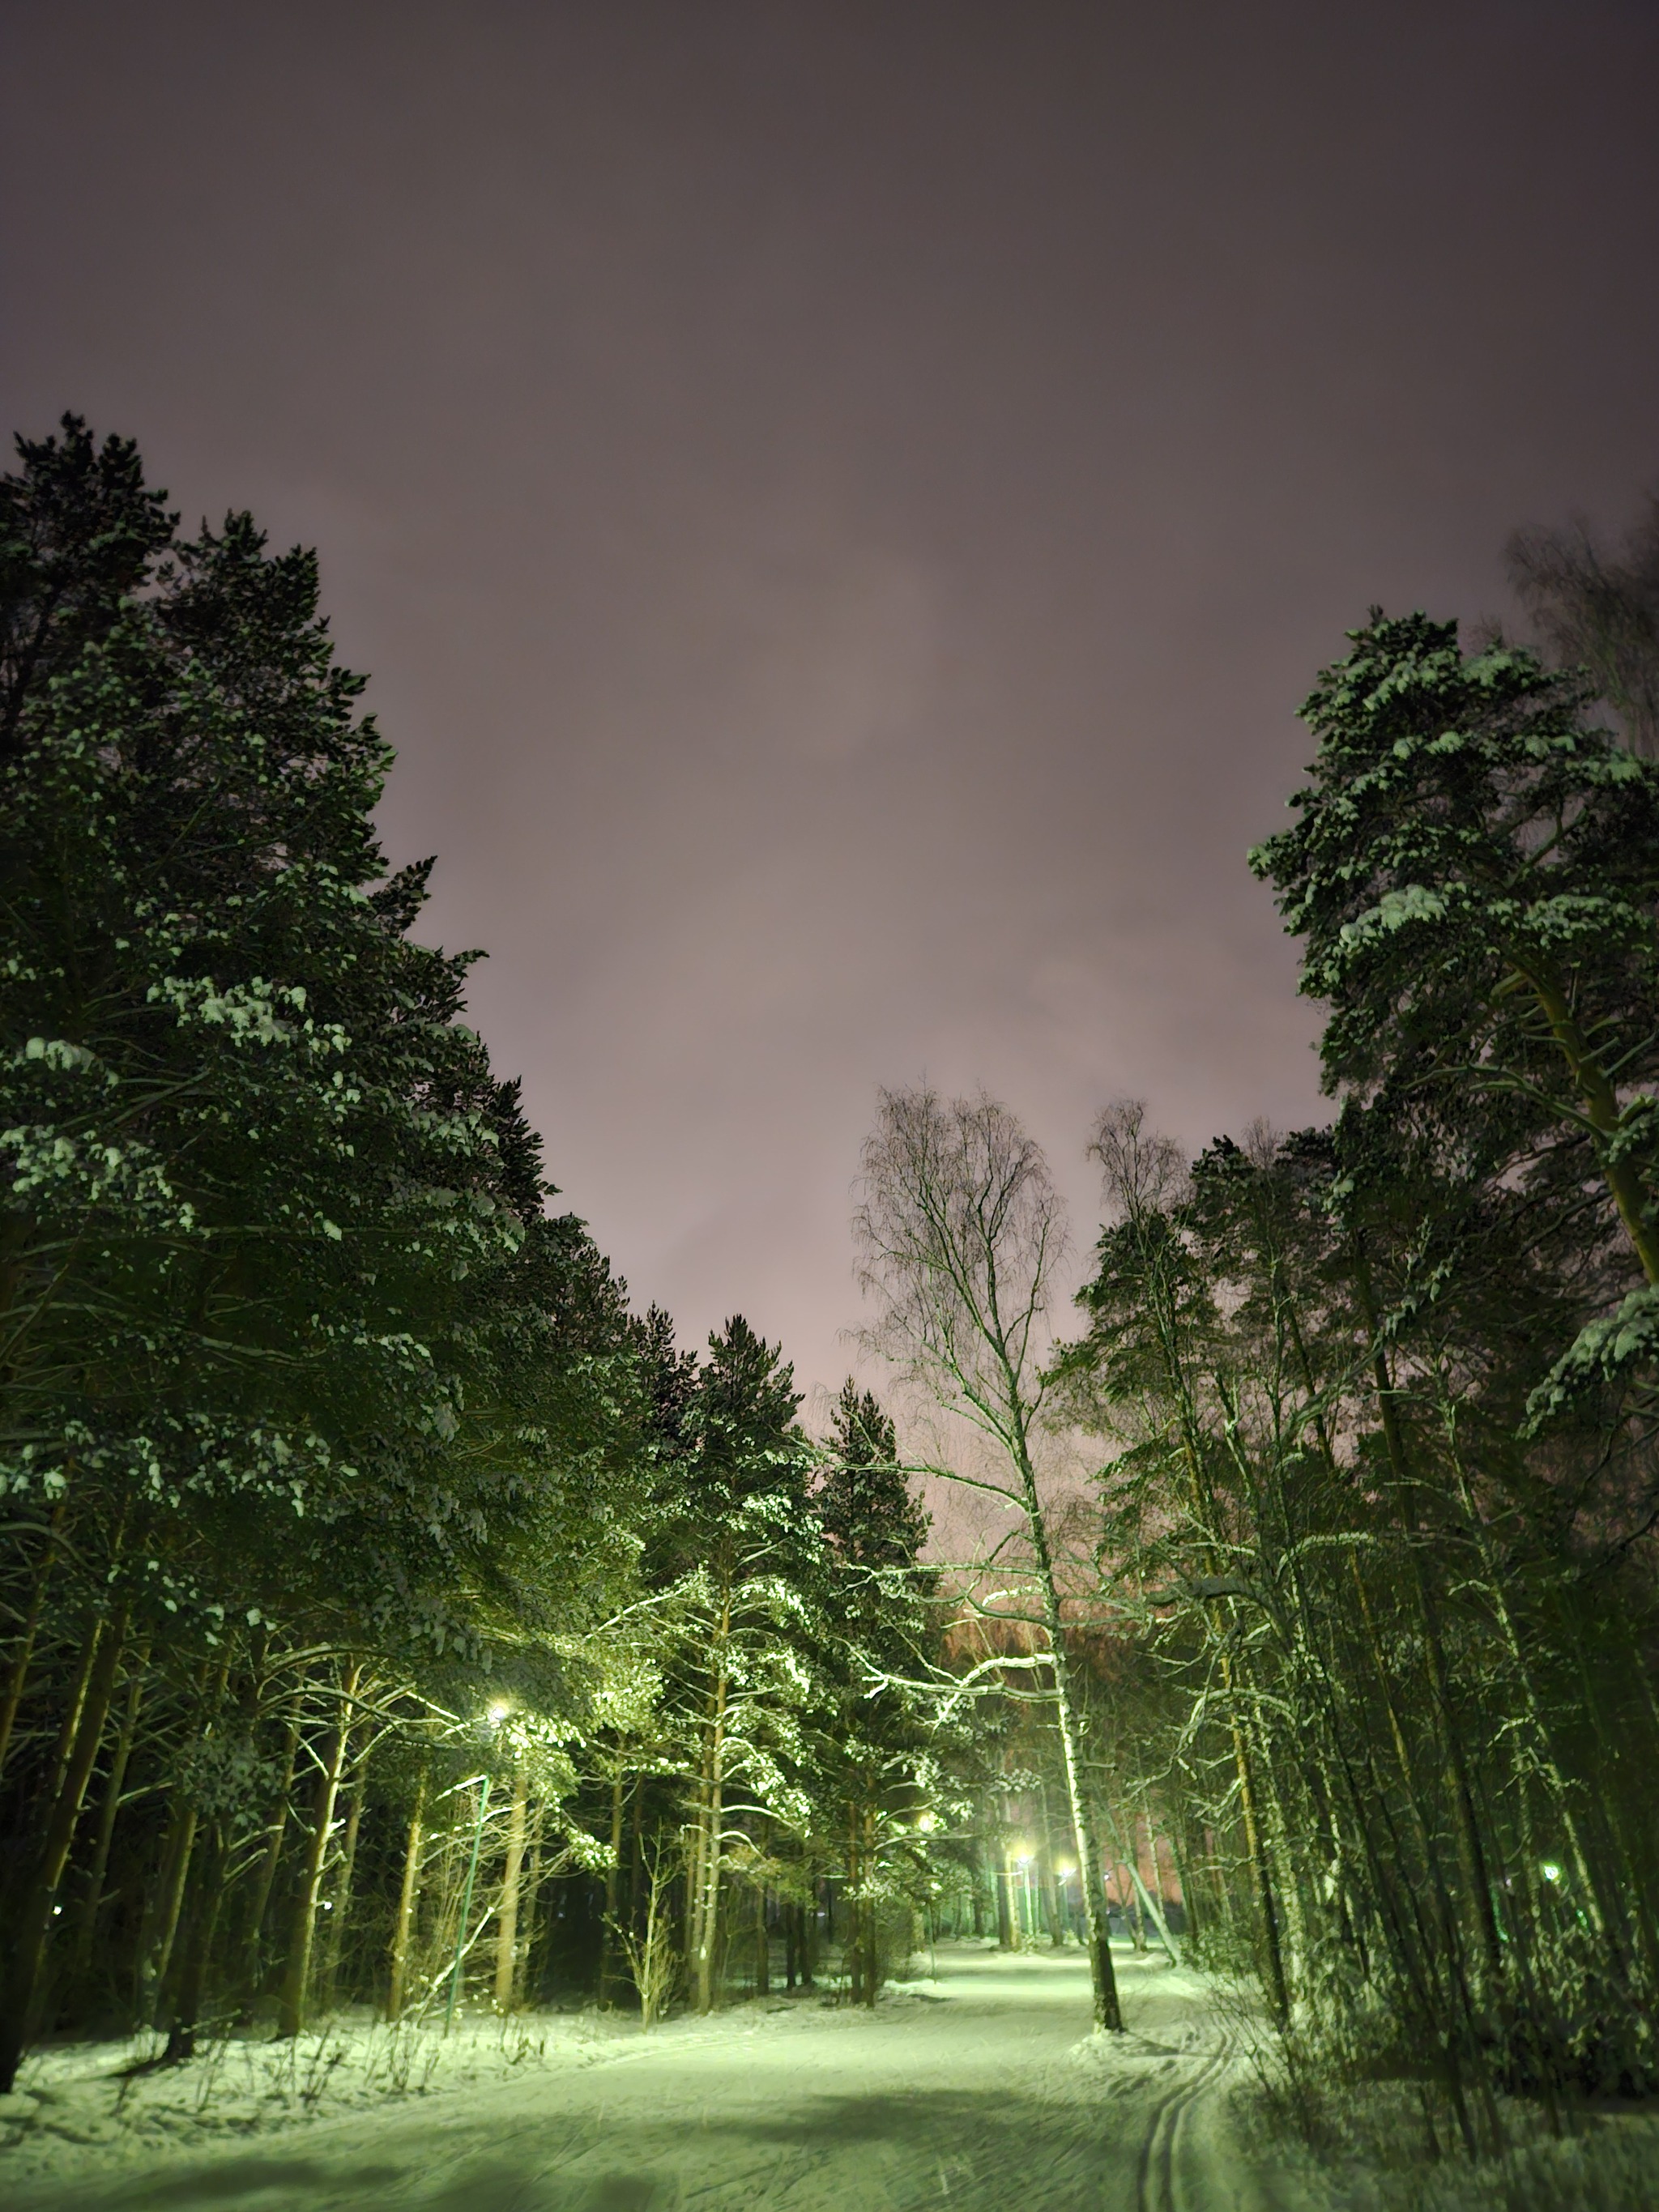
(959, 1230)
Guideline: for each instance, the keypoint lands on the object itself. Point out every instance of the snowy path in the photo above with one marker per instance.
(979, 2091)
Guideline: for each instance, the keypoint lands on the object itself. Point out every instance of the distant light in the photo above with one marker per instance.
(926, 1820)
(1550, 1871)
(1064, 1869)
(1023, 1858)
(498, 1713)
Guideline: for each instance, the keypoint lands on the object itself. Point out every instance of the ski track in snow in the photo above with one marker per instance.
(981, 2090)
(1178, 2173)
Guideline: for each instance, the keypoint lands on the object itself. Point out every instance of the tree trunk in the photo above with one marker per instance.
(694, 1866)
(1004, 1899)
(709, 1904)
(32, 1925)
(156, 1949)
(302, 1927)
(609, 1945)
(463, 1910)
(1192, 1913)
(17, 1672)
(207, 1893)
(851, 1952)
(1052, 1911)
(870, 1943)
(254, 1970)
(636, 1857)
(1255, 1844)
(406, 1896)
(92, 1902)
(507, 1929)
(1471, 1848)
(1108, 2013)
(339, 1905)
(68, 1727)
(529, 1896)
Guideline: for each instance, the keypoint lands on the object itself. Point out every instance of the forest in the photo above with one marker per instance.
(395, 1616)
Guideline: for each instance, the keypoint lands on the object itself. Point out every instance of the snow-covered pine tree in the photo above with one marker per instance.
(290, 1354)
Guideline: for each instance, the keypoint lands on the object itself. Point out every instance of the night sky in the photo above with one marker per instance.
(839, 503)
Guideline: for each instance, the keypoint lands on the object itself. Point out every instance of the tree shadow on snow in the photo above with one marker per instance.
(974, 2147)
(256, 2184)
(232, 2182)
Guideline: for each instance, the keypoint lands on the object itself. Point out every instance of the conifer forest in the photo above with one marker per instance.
(397, 1618)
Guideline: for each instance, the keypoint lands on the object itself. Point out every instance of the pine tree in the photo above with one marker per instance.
(870, 1515)
(736, 1550)
(1475, 874)
(289, 1353)
(876, 1761)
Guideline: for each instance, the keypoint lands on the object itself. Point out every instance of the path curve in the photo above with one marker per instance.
(980, 2089)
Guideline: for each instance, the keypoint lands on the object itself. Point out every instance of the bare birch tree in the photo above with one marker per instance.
(959, 1230)
(1600, 611)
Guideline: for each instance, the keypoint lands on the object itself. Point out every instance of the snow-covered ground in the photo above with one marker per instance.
(974, 2086)
(1372, 2158)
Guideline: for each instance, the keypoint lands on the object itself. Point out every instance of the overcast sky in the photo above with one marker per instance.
(839, 503)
